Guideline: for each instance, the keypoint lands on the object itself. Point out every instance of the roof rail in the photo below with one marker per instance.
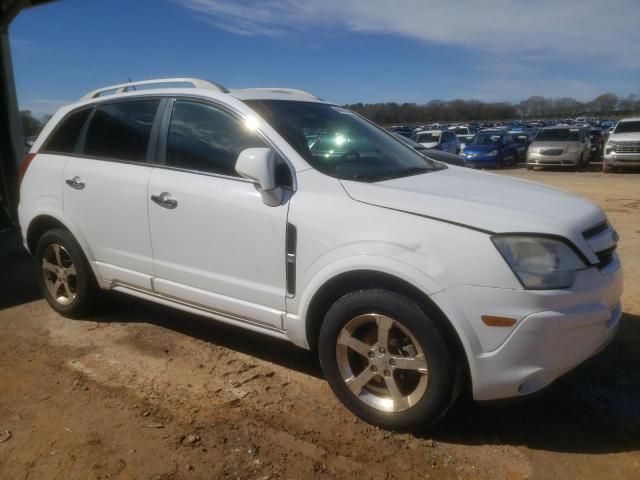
(290, 91)
(124, 87)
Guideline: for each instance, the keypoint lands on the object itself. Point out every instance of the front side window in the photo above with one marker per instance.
(66, 135)
(121, 130)
(207, 139)
(339, 143)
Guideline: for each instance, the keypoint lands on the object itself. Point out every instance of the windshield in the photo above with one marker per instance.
(559, 135)
(485, 139)
(427, 137)
(627, 127)
(341, 144)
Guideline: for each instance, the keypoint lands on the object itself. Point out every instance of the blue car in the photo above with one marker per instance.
(491, 149)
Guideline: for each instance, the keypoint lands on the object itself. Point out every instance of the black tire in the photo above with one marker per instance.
(529, 166)
(605, 168)
(443, 380)
(85, 284)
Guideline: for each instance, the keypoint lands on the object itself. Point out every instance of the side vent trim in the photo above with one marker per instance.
(291, 246)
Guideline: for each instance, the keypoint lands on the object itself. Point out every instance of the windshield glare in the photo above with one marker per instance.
(341, 144)
(559, 135)
(627, 127)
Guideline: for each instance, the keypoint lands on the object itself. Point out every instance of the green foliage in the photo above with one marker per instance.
(466, 110)
(31, 125)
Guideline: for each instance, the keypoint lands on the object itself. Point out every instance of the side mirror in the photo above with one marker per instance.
(259, 166)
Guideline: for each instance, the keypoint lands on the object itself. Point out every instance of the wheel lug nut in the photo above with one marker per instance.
(392, 362)
(387, 373)
(374, 368)
(371, 354)
(381, 350)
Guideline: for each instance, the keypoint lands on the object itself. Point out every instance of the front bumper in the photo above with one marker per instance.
(556, 330)
(482, 161)
(562, 160)
(622, 159)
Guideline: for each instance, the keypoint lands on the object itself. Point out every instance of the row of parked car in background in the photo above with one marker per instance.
(570, 143)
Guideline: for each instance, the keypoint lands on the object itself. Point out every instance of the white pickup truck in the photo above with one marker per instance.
(622, 148)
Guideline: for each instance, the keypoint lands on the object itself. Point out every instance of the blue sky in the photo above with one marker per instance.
(343, 50)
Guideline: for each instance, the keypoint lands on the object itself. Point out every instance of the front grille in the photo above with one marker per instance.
(605, 257)
(604, 241)
(551, 151)
(593, 231)
(627, 149)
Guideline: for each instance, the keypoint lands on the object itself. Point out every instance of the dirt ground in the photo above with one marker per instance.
(142, 391)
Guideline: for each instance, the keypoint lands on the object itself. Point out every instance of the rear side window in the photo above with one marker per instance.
(121, 130)
(65, 136)
(207, 139)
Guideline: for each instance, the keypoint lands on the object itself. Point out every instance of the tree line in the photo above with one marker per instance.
(458, 110)
(32, 125)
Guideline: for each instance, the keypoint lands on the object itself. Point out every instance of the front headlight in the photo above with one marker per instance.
(493, 153)
(540, 263)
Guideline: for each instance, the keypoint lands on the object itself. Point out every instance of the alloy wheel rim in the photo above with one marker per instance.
(59, 273)
(382, 363)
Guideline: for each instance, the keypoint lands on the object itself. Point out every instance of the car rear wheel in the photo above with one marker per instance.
(66, 279)
(387, 361)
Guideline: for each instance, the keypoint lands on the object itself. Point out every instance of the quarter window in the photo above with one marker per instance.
(64, 137)
(121, 130)
(207, 139)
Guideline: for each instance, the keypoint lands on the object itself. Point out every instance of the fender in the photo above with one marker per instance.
(57, 213)
(295, 320)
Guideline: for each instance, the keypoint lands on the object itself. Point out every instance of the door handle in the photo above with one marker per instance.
(75, 183)
(164, 200)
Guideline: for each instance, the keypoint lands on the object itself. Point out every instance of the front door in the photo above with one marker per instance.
(215, 243)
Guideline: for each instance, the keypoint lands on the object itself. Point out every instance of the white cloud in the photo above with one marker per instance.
(572, 30)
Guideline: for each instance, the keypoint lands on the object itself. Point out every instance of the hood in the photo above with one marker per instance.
(555, 145)
(480, 148)
(624, 137)
(484, 201)
(429, 144)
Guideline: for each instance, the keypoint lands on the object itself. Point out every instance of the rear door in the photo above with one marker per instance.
(105, 188)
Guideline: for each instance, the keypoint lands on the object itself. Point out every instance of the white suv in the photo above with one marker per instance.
(278, 212)
(622, 148)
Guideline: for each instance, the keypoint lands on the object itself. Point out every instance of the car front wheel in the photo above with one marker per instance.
(387, 361)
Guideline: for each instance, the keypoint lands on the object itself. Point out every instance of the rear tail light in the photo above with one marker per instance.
(26, 161)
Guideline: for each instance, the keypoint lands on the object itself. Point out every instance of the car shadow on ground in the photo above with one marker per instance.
(121, 308)
(18, 283)
(594, 409)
